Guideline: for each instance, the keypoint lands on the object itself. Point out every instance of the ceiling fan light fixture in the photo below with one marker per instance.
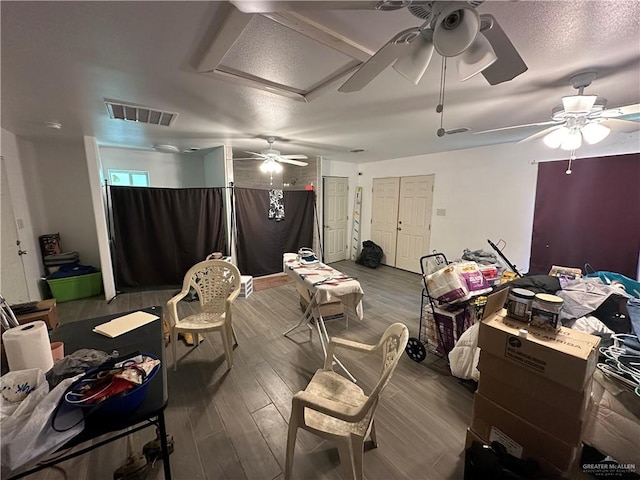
(476, 58)
(270, 166)
(456, 27)
(555, 138)
(594, 132)
(572, 140)
(579, 104)
(415, 62)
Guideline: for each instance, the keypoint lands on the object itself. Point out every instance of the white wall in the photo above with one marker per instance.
(487, 193)
(59, 195)
(214, 168)
(98, 203)
(171, 170)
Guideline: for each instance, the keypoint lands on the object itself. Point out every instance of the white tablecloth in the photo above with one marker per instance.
(335, 285)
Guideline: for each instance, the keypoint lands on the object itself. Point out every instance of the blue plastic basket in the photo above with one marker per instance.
(121, 404)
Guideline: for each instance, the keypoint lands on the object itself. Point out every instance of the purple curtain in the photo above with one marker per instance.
(591, 216)
(159, 233)
(262, 241)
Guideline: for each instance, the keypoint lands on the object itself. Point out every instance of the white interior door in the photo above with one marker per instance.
(335, 192)
(384, 217)
(414, 221)
(13, 283)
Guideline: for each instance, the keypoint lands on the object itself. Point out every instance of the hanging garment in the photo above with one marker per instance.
(276, 205)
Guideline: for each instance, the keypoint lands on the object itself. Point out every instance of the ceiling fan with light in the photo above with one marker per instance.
(272, 159)
(452, 29)
(581, 118)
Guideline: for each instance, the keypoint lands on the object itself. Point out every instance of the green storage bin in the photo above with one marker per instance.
(74, 288)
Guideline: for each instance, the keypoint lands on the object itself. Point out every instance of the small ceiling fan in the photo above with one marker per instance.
(581, 117)
(453, 29)
(271, 158)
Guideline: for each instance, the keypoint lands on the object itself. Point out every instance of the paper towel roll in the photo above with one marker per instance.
(28, 346)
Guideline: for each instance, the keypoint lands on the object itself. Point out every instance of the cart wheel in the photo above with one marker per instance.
(415, 349)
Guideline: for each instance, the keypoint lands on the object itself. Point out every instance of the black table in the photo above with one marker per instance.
(145, 339)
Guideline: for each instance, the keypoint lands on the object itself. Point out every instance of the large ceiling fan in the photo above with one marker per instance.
(272, 159)
(581, 117)
(454, 30)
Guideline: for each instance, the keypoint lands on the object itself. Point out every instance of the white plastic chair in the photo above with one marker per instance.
(335, 408)
(218, 284)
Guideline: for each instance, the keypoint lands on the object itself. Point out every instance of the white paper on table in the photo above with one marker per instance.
(124, 324)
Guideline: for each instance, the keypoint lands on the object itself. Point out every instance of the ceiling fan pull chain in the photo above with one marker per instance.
(440, 106)
(572, 156)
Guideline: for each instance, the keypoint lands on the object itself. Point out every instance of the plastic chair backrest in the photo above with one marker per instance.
(393, 342)
(214, 281)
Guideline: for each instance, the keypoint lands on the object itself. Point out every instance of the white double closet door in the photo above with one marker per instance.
(401, 219)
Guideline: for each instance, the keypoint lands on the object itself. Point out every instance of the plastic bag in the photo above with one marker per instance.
(371, 254)
(27, 435)
(464, 357)
(447, 286)
(473, 277)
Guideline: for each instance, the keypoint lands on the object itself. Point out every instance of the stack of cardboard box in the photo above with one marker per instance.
(534, 391)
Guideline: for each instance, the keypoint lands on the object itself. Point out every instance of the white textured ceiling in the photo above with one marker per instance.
(60, 60)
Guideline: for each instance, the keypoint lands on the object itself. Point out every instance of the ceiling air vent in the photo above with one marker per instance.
(139, 113)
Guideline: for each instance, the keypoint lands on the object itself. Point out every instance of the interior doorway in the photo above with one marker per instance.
(401, 219)
(335, 212)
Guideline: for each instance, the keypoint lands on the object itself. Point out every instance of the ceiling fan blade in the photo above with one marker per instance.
(261, 155)
(389, 53)
(295, 157)
(292, 162)
(631, 110)
(513, 127)
(248, 158)
(509, 64)
(619, 125)
(541, 134)
(265, 6)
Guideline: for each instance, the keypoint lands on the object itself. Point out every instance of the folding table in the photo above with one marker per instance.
(145, 339)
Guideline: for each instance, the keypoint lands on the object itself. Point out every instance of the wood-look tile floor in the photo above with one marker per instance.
(233, 424)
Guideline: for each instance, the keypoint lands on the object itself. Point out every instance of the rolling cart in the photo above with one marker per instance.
(440, 324)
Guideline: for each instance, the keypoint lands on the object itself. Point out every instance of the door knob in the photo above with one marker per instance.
(399, 229)
(22, 252)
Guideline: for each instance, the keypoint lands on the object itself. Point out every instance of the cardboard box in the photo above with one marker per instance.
(450, 326)
(521, 438)
(567, 357)
(535, 399)
(506, 383)
(328, 310)
(45, 311)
